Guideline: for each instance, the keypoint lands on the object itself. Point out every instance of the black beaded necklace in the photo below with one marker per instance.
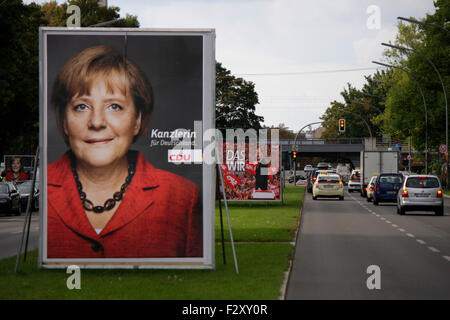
(111, 202)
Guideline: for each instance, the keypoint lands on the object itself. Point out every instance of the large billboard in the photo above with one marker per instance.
(115, 106)
(251, 171)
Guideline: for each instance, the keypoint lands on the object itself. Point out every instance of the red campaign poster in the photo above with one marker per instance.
(251, 172)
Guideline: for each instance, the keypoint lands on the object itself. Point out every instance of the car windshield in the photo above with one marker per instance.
(422, 182)
(391, 179)
(3, 188)
(355, 176)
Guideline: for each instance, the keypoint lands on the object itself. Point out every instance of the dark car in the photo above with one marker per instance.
(24, 190)
(386, 187)
(9, 199)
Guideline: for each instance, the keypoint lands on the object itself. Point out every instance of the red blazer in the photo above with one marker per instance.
(159, 216)
(10, 176)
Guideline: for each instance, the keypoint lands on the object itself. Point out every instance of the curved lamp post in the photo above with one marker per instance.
(424, 103)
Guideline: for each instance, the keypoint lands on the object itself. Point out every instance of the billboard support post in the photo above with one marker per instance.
(27, 219)
(228, 217)
(221, 218)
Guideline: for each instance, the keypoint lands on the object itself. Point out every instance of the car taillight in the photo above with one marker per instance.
(310, 179)
(377, 187)
(341, 185)
(405, 193)
(439, 193)
(365, 188)
(371, 189)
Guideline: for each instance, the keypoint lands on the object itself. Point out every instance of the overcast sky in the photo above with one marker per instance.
(256, 39)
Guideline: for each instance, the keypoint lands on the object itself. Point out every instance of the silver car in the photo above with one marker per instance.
(421, 193)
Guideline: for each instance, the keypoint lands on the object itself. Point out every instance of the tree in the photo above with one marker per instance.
(91, 14)
(236, 99)
(19, 77)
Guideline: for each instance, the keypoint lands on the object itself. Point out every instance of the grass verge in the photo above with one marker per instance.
(262, 234)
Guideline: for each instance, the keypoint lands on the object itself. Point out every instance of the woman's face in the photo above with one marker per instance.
(101, 125)
(15, 165)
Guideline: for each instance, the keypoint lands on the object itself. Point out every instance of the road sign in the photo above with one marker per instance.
(443, 148)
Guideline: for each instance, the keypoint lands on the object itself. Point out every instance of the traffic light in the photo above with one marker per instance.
(294, 154)
(342, 125)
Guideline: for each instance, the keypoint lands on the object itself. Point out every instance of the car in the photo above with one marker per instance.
(323, 166)
(24, 190)
(329, 186)
(308, 167)
(299, 174)
(9, 199)
(354, 183)
(386, 187)
(302, 182)
(421, 193)
(312, 178)
(371, 189)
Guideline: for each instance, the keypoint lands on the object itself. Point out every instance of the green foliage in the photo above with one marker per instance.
(236, 99)
(401, 104)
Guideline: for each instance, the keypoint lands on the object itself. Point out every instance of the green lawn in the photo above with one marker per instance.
(262, 234)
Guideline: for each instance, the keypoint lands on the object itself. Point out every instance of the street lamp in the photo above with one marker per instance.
(423, 23)
(424, 103)
(442, 83)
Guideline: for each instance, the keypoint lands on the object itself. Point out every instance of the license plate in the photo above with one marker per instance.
(328, 187)
(422, 195)
(391, 192)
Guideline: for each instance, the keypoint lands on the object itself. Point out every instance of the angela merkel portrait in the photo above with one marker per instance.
(103, 199)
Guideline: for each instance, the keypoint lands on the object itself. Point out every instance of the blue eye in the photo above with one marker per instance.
(115, 107)
(81, 107)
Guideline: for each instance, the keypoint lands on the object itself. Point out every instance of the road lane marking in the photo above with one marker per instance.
(420, 241)
(433, 249)
(446, 258)
(394, 225)
(401, 230)
(383, 218)
(410, 235)
(387, 221)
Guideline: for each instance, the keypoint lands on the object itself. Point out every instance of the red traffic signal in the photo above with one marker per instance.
(294, 154)
(342, 125)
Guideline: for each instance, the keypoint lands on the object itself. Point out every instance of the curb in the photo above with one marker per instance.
(287, 273)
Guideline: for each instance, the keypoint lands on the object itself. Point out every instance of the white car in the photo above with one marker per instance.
(371, 188)
(354, 183)
(421, 193)
(328, 186)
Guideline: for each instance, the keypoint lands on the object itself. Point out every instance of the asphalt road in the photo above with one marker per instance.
(339, 240)
(11, 234)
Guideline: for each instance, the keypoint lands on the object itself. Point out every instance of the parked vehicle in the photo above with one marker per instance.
(421, 193)
(386, 187)
(371, 188)
(24, 190)
(354, 184)
(9, 198)
(376, 162)
(328, 186)
(298, 174)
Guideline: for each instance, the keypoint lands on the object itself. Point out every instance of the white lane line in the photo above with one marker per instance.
(387, 221)
(433, 249)
(420, 241)
(410, 235)
(394, 225)
(383, 218)
(446, 258)
(401, 230)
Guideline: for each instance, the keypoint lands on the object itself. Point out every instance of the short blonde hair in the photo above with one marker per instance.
(78, 73)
